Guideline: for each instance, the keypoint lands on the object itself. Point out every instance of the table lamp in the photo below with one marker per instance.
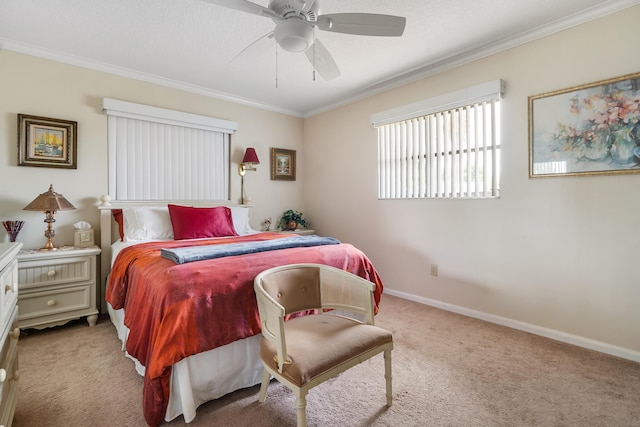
(49, 203)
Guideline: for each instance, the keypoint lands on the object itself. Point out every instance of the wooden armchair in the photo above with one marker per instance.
(307, 350)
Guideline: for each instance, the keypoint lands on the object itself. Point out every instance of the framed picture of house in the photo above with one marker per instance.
(47, 142)
(283, 164)
(592, 129)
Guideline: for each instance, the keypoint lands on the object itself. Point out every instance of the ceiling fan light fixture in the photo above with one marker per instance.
(294, 35)
(296, 22)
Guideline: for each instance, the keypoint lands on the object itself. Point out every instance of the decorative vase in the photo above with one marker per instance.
(622, 148)
(13, 228)
(596, 148)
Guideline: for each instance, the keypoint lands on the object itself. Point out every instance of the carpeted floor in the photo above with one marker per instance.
(448, 370)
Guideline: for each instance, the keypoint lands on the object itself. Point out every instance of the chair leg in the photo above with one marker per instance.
(387, 375)
(266, 377)
(301, 409)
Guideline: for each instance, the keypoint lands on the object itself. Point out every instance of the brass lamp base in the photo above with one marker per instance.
(49, 233)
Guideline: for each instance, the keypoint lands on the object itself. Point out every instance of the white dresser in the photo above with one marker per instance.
(9, 331)
(57, 286)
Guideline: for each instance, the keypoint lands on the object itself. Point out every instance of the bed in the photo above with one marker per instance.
(192, 329)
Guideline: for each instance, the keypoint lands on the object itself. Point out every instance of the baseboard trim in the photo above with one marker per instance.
(590, 344)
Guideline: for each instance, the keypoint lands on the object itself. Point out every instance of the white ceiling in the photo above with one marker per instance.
(188, 44)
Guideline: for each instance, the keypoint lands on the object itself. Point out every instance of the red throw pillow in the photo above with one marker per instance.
(117, 216)
(192, 223)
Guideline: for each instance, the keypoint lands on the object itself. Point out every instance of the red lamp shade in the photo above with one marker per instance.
(250, 156)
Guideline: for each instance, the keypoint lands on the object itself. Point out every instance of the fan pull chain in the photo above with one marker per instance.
(314, 55)
(276, 65)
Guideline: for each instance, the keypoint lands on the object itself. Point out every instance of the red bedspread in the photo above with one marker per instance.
(174, 311)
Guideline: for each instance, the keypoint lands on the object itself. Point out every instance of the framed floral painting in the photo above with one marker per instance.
(593, 129)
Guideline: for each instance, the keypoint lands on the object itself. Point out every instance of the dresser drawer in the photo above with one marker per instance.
(9, 373)
(53, 302)
(34, 274)
(8, 290)
(9, 389)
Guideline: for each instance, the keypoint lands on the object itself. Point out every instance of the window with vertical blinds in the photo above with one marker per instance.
(159, 154)
(445, 147)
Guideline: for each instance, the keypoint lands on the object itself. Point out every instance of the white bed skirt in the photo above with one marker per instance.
(204, 376)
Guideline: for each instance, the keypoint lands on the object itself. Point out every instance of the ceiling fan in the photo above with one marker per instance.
(296, 21)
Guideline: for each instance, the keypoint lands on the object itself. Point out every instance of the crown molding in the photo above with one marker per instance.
(477, 52)
(77, 61)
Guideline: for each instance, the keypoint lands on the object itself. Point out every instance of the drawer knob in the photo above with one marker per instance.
(51, 302)
(51, 273)
(3, 375)
(15, 333)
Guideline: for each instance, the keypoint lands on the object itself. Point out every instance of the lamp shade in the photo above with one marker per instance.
(250, 156)
(49, 201)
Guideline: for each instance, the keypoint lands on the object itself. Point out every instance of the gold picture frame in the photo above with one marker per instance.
(283, 164)
(591, 129)
(47, 142)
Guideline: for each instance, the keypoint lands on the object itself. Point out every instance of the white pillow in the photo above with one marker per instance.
(149, 223)
(240, 218)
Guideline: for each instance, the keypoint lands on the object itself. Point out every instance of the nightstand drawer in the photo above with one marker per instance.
(53, 302)
(33, 274)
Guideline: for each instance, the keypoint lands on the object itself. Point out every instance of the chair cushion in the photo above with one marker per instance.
(318, 343)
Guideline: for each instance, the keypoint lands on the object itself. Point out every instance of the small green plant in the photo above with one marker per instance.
(291, 220)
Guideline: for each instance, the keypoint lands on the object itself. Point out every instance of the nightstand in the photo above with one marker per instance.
(301, 231)
(57, 286)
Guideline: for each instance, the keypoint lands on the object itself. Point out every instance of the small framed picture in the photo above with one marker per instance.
(47, 142)
(283, 164)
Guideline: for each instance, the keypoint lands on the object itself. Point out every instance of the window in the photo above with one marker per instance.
(444, 147)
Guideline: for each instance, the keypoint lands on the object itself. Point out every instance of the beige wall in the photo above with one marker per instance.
(34, 86)
(555, 253)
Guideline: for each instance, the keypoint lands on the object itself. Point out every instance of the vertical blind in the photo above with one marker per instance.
(452, 153)
(167, 155)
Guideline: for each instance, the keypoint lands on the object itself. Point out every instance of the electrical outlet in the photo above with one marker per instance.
(434, 269)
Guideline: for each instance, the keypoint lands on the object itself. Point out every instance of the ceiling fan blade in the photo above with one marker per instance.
(255, 49)
(363, 24)
(305, 6)
(322, 61)
(244, 6)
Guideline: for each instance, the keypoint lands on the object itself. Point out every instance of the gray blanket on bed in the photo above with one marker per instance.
(199, 253)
